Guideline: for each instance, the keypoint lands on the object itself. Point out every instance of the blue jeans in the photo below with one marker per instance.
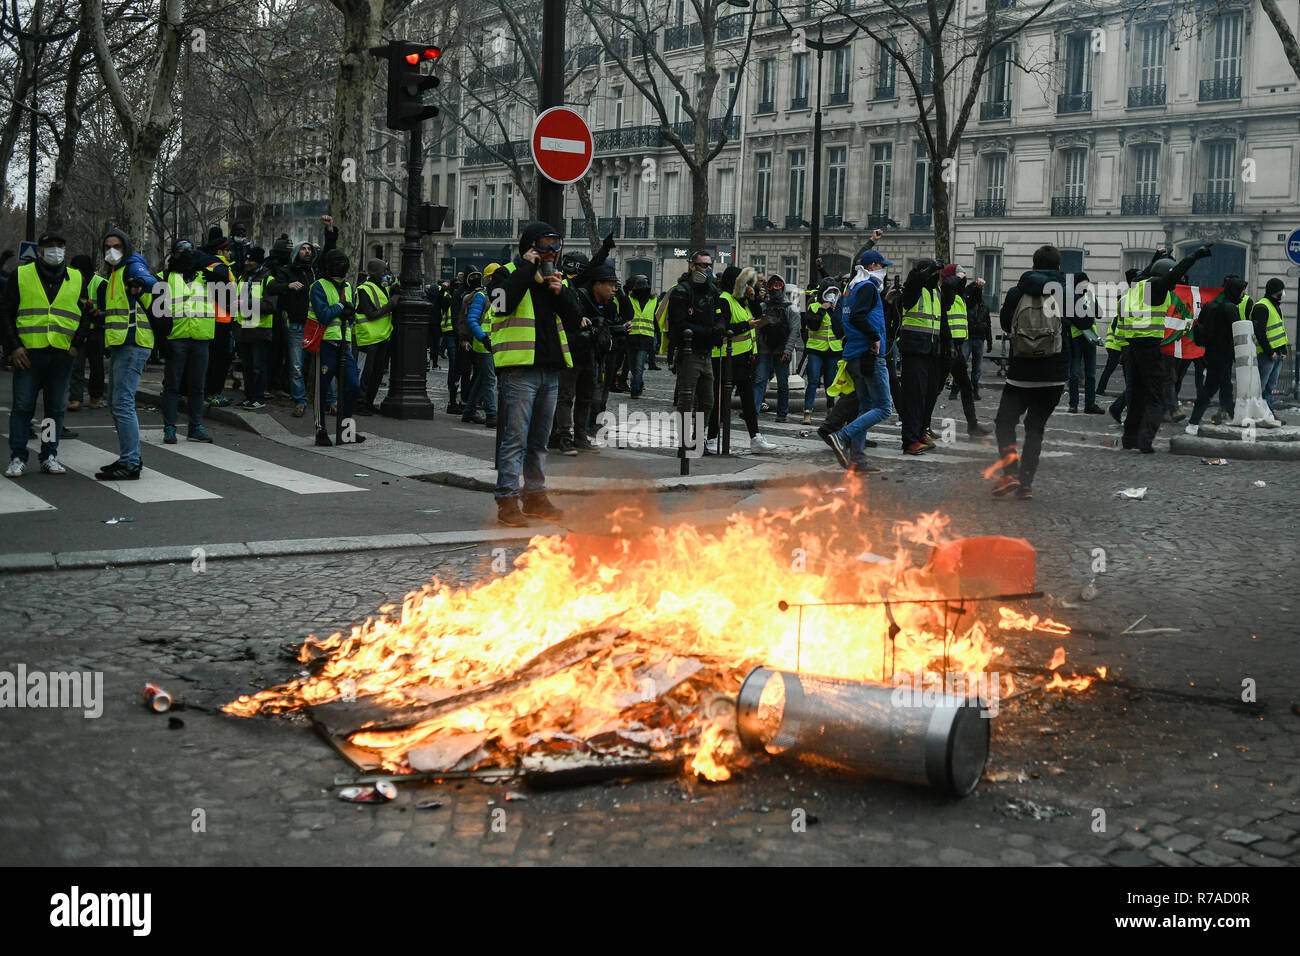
(329, 357)
(1086, 355)
(297, 384)
(483, 386)
(187, 362)
(767, 364)
(50, 374)
(973, 351)
(1269, 369)
(870, 376)
(125, 363)
(528, 397)
(639, 358)
(821, 369)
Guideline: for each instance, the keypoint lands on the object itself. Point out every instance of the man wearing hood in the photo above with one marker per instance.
(256, 314)
(1213, 332)
(43, 330)
(866, 345)
(483, 383)
(93, 353)
(331, 306)
(190, 307)
(641, 337)
(292, 291)
(464, 347)
(695, 306)
(530, 346)
(954, 333)
(130, 332)
(375, 305)
(737, 302)
(919, 345)
(1270, 337)
(602, 310)
(778, 344)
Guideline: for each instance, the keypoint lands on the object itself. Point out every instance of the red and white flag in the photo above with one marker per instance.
(1186, 306)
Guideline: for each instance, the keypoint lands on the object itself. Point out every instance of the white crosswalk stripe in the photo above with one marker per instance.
(237, 463)
(86, 459)
(15, 499)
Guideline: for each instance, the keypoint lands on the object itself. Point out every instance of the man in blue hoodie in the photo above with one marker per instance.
(862, 312)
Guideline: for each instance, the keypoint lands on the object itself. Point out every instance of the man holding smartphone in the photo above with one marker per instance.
(535, 313)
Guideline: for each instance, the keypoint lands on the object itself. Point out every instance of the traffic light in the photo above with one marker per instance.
(406, 84)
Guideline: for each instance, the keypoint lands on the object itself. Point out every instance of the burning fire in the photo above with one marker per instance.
(637, 643)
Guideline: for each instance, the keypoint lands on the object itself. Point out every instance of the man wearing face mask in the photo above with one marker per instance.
(641, 337)
(954, 332)
(41, 323)
(375, 305)
(778, 344)
(130, 331)
(866, 343)
(256, 315)
(1270, 337)
(193, 326)
(530, 346)
(918, 344)
(91, 358)
(331, 306)
(292, 290)
(738, 303)
(695, 306)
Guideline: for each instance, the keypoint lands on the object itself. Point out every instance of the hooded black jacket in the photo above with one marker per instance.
(1051, 368)
(295, 302)
(546, 306)
(699, 309)
(52, 278)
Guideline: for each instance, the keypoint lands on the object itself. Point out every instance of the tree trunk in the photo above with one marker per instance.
(363, 24)
(939, 203)
(699, 207)
(589, 212)
(13, 123)
(1289, 46)
(54, 214)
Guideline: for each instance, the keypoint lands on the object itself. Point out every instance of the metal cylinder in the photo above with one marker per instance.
(876, 730)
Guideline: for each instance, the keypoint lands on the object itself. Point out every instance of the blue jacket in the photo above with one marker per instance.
(325, 312)
(477, 305)
(862, 313)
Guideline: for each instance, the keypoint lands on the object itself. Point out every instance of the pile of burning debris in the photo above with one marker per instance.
(669, 649)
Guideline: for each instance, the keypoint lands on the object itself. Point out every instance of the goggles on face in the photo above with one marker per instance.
(547, 244)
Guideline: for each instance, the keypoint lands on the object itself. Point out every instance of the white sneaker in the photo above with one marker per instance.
(51, 466)
(16, 468)
(711, 447)
(762, 444)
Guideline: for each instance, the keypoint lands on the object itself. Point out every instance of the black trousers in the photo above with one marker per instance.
(1147, 367)
(1218, 379)
(219, 353)
(741, 377)
(956, 366)
(376, 366)
(1112, 363)
(1036, 405)
(914, 409)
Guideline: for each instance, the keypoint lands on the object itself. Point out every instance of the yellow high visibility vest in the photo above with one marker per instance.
(924, 315)
(643, 318)
(843, 384)
(744, 343)
(121, 315)
(514, 335)
(958, 324)
(1274, 330)
(193, 314)
(821, 337)
(373, 331)
(1139, 319)
(42, 323)
(334, 330)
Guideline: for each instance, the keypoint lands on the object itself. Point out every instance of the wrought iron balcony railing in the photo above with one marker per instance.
(686, 130)
(884, 92)
(839, 97)
(486, 228)
(636, 227)
(607, 224)
(795, 222)
(1139, 96)
(1219, 203)
(767, 106)
(995, 109)
(1228, 88)
(990, 208)
(879, 220)
(588, 55)
(627, 138)
(1069, 205)
(798, 102)
(578, 228)
(720, 225)
(487, 155)
(920, 220)
(1074, 102)
(832, 221)
(1133, 205)
(672, 227)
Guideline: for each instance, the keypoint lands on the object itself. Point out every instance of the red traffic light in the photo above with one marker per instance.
(413, 58)
(432, 53)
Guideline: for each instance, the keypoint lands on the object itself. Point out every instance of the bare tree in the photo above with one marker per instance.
(645, 66)
(1289, 45)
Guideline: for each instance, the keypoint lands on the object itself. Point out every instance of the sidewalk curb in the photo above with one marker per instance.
(1235, 448)
(227, 416)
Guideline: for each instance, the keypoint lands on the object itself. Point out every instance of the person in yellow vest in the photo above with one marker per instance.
(530, 345)
(43, 329)
(254, 314)
(823, 349)
(954, 333)
(188, 304)
(93, 354)
(483, 383)
(641, 337)
(738, 297)
(221, 274)
(374, 330)
(123, 299)
(331, 306)
(1270, 336)
(918, 344)
(1114, 344)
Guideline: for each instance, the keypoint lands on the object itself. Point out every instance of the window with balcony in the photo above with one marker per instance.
(921, 200)
(773, 16)
(1220, 176)
(374, 205)
(798, 172)
(729, 90)
(726, 192)
(763, 186)
(997, 84)
(882, 170)
(1145, 198)
(615, 108)
(508, 201)
(1077, 80)
(672, 193)
(886, 70)
(799, 82)
(1074, 184)
(990, 270)
(612, 184)
(836, 168)
(472, 202)
(767, 86)
(492, 201)
(1150, 89)
(841, 75)
(994, 202)
(1225, 64)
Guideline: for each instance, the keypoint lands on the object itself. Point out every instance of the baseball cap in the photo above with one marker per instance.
(872, 257)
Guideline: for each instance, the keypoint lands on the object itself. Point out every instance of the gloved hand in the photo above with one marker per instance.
(349, 310)
(1205, 251)
(609, 241)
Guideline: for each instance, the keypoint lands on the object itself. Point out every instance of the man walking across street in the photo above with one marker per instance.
(866, 344)
(1213, 332)
(1270, 337)
(695, 306)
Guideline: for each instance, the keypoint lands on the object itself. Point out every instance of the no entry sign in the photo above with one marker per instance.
(561, 144)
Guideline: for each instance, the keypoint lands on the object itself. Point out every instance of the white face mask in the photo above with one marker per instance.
(113, 256)
(53, 255)
(878, 277)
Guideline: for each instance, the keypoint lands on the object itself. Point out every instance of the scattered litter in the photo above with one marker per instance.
(121, 520)
(1214, 461)
(317, 826)
(429, 805)
(385, 482)
(1259, 484)
(1135, 493)
(381, 792)
(156, 699)
(360, 474)
(516, 795)
(1149, 630)
(1109, 442)
(1089, 591)
(1006, 776)
(175, 723)
(1029, 810)
(430, 511)
(804, 433)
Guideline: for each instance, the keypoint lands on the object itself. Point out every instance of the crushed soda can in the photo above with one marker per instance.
(1259, 484)
(381, 792)
(156, 699)
(1214, 461)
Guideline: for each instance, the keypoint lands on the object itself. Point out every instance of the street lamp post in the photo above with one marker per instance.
(550, 196)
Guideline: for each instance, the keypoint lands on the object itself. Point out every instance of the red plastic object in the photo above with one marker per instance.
(992, 564)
